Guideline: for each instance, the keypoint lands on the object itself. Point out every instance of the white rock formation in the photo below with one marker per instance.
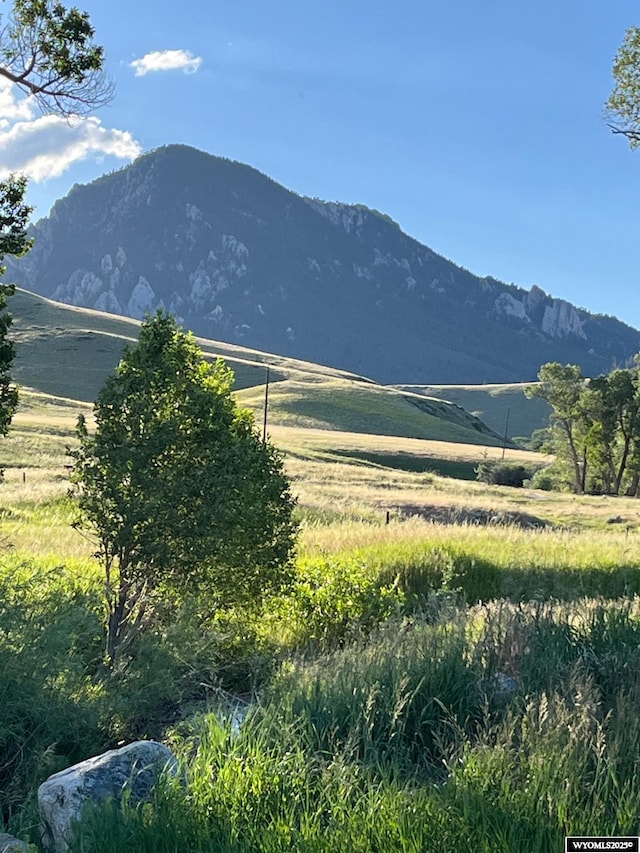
(82, 288)
(508, 304)
(561, 320)
(193, 213)
(141, 300)
(11, 844)
(535, 296)
(350, 218)
(108, 301)
(62, 797)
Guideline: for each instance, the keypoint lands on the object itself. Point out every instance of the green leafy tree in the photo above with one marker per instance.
(46, 51)
(562, 387)
(601, 436)
(618, 424)
(14, 215)
(595, 425)
(177, 486)
(623, 105)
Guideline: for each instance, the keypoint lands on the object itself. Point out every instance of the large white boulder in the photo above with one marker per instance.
(63, 796)
(9, 844)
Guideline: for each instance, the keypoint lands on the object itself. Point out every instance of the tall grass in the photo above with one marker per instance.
(408, 743)
(49, 644)
(483, 563)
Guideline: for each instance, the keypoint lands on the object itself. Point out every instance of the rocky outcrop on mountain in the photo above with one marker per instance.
(559, 319)
(237, 257)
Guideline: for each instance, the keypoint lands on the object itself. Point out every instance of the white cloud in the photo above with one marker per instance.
(11, 107)
(47, 146)
(167, 60)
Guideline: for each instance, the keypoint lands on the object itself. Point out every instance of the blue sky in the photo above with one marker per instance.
(478, 127)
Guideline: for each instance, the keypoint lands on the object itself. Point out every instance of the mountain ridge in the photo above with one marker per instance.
(237, 257)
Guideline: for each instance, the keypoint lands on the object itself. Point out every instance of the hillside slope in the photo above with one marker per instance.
(68, 353)
(501, 407)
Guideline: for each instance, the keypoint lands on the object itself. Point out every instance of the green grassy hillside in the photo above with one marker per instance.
(68, 352)
(493, 404)
(362, 407)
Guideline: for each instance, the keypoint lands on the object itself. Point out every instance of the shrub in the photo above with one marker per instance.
(503, 473)
(335, 598)
(550, 478)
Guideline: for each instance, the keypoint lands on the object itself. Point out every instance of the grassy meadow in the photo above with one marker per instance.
(454, 665)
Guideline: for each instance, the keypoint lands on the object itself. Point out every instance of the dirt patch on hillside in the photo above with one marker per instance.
(472, 515)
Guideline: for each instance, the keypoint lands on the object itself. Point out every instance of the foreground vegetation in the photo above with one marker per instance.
(395, 727)
(420, 683)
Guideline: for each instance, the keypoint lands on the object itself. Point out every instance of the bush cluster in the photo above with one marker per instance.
(496, 473)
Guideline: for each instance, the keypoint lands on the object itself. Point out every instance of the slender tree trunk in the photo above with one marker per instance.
(578, 486)
(632, 491)
(583, 472)
(623, 462)
(130, 612)
(116, 623)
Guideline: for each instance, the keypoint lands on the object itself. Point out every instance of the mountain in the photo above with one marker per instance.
(237, 257)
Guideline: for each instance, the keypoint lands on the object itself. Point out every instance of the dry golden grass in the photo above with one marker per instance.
(333, 490)
(356, 488)
(308, 441)
(33, 485)
(365, 491)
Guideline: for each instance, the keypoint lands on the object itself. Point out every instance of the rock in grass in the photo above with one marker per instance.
(10, 844)
(499, 689)
(503, 688)
(62, 798)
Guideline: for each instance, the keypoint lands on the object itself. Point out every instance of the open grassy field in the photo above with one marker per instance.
(347, 483)
(337, 474)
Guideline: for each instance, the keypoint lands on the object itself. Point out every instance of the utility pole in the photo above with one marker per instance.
(506, 432)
